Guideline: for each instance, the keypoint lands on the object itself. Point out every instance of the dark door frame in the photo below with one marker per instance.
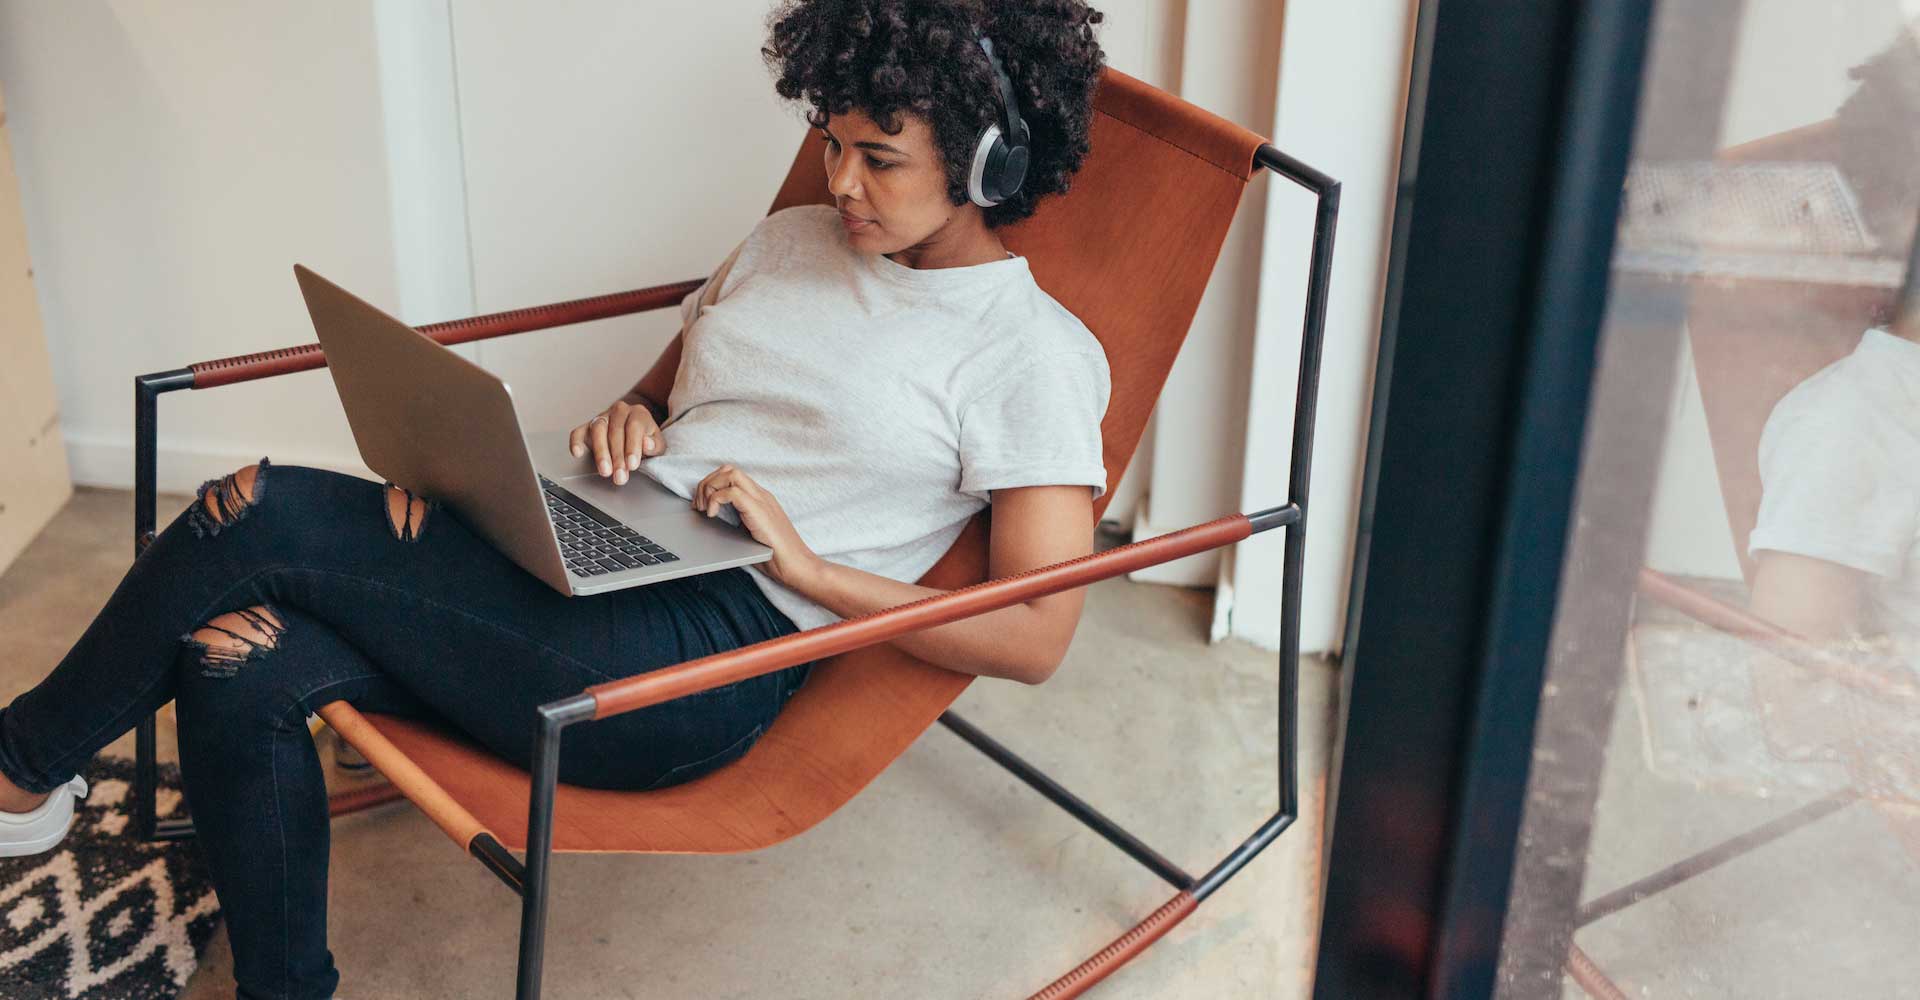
(1520, 119)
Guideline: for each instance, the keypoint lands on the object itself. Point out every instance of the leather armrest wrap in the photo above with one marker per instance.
(668, 683)
(247, 367)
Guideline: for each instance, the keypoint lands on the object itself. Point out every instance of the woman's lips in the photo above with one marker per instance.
(854, 223)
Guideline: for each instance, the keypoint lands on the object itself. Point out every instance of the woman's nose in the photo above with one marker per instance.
(841, 182)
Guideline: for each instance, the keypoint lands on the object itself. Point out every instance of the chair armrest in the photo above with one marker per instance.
(266, 364)
(1762, 634)
(668, 683)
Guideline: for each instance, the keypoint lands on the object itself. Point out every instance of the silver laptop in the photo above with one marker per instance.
(432, 421)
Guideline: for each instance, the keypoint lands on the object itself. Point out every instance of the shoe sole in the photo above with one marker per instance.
(22, 848)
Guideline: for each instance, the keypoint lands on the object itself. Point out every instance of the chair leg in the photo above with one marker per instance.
(554, 718)
(533, 898)
(533, 933)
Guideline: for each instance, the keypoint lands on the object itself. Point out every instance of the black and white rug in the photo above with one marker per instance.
(104, 915)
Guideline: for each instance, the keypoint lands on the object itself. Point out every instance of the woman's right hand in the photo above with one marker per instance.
(619, 437)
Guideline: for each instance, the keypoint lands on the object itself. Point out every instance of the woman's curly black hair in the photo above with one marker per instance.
(920, 56)
(1877, 131)
(1876, 138)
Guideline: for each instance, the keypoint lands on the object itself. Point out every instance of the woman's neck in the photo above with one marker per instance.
(1906, 327)
(980, 245)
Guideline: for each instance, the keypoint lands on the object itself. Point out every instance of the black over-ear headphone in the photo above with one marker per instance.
(1000, 156)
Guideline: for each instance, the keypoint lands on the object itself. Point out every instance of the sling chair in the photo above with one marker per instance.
(1129, 251)
(1753, 340)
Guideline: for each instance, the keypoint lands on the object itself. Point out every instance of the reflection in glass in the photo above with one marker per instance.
(1725, 798)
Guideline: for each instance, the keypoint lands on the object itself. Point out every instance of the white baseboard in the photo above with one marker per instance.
(108, 462)
(1255, 625)
(1263, 631)
(1261, 628)
(1222, 625)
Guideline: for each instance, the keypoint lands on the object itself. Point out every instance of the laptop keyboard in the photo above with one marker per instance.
(594, 542)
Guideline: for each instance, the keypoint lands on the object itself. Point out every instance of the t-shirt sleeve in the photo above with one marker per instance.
(739, 257)
(1038, 425)
(1828, 493)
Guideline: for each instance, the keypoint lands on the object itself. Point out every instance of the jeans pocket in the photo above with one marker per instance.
(690, 771)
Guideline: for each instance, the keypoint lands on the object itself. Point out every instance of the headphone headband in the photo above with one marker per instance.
(1015, 127)
(1000, 154)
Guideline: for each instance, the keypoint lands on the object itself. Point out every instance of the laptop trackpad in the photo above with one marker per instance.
(638, 497)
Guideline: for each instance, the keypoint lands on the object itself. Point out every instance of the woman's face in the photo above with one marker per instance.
(894, 185)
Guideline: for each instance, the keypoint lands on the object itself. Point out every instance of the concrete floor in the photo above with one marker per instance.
(1829, 910)
(945, 878)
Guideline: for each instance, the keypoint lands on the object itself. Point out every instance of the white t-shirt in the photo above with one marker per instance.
(877, 402)
(1840, 474)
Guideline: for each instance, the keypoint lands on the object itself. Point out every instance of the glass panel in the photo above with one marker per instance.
(1725, 794)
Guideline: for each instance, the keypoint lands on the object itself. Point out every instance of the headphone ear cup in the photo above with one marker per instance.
(1013, 172)
(1018, 156)
(984, 173)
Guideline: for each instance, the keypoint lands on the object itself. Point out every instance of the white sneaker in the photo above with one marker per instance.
(36, 831)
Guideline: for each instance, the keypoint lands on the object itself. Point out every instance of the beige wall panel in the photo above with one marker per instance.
(33, 458)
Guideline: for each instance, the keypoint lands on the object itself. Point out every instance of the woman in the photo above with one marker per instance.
(1836, 540)
(866, 380)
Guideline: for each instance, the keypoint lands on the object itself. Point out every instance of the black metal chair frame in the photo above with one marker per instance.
(529, 878)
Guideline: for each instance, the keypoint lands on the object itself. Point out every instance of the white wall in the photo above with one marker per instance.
(426, 175)
(1327, 81)
(1227, 51)
(608, 147)
(1342, 101)
(175, 160)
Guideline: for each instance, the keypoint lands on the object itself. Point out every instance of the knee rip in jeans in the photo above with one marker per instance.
(220, 502)
(237, 637)
(406, 512)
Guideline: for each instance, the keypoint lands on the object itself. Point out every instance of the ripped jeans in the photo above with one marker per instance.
(283, 588)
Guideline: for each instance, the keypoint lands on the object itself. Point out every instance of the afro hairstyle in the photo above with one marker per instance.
(920, 57)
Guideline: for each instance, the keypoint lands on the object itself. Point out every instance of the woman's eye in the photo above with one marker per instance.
(875, 164)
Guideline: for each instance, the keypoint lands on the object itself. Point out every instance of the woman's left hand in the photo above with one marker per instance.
(761, 515)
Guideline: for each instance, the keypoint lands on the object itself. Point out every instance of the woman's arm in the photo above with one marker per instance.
(656, 386)
(1813, 598)
(1033, 526)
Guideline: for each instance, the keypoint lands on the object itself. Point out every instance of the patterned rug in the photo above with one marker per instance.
(104, 916)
